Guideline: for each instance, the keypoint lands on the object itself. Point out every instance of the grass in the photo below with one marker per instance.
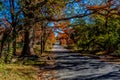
(17, 72)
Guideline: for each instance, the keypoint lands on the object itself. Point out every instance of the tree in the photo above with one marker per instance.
(101, 32)
(10, 22)
(37, 11)
(107, 12)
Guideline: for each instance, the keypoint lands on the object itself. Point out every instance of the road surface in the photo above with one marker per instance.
(73, 66)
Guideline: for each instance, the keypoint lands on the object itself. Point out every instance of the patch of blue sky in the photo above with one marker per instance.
(96, 2)
(1, 15)
(6, 13)
(57, 31)
(50, 24)
(76, 5)
(75, 9)
(80, 8)
(6, 4)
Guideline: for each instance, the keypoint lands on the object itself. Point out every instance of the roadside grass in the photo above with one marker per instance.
(17, 72)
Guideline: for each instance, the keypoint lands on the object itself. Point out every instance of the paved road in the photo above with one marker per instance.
(73, 66)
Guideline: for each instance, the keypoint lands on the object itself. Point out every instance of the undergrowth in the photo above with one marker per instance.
(17, 72)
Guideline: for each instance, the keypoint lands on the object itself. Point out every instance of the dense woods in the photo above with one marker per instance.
(101, 33)
(25, 29)
(28, 28)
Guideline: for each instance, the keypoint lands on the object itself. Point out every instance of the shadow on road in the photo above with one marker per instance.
(72, 66)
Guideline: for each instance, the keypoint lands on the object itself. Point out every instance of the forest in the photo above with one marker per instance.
(30, 28)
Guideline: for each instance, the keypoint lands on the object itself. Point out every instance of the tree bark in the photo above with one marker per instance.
(43, 38)
(28, 44)
(26, 50)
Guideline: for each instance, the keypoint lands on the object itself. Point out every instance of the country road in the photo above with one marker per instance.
(73, 66)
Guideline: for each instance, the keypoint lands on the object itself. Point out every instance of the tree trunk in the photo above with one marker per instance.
(14, 47)
(26, 49)
(43, 39)
(9, 56)
(31, 44)
(1, 47)
(4, 37)
(41, 45)
(28, 44)
(14, 34)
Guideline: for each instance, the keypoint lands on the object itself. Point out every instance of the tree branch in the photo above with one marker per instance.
(68, 18)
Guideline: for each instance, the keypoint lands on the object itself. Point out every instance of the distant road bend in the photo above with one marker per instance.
(73, 66)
